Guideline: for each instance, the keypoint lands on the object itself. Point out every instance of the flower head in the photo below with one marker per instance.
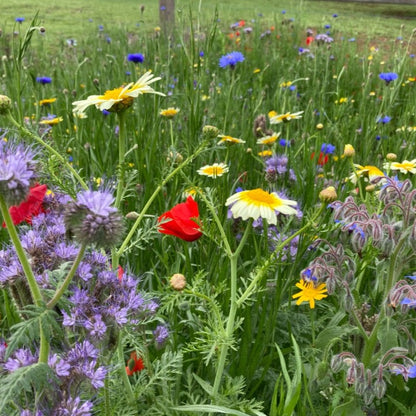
(280, 118)
(50, 120)
(213, 171)
(19, 19)
(231, 59)
(229, 139)
(181, 221)
(134, 364)
(268, 140)
(257, 203)
(372, 172)
(43, 80)
(388, 76)
(17, 170)
(119, 99)
(93, 219)
(309, 292)
(29, 208)
(5, 104)
(169, 112)
(135, 57)
(405, 167)
(47, 101)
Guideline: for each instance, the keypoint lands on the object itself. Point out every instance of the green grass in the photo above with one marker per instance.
(70, 19)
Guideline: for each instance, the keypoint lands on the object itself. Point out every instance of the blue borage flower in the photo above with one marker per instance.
(231, 59)
(327, 148)
(43, 80)
(135, 57)
(388, 76)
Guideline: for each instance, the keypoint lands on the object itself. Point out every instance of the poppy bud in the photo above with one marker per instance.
(178, 281)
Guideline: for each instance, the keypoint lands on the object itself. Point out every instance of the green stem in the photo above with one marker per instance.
(229, 330)
(59, 292)
(26, 132)
(119, 252)
(171, 139)
(272, 257)
(106, 397)
(207, 299)
(33, 285)
(11, 229)
(121, 154)
(128, 390)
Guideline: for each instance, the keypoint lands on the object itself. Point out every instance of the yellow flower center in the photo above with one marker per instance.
(214, 170)
(259, 197)
(124, 100)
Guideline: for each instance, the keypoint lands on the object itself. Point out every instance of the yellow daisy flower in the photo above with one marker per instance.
(47, 101)
(257, 203)
(372, 172)
(280, 118)
(229, 139)
(268, 140)
(213, 171)
(404, 167)
(51, 122)
(169, 112)
(309, 293)
(265, 153)
(120, 98)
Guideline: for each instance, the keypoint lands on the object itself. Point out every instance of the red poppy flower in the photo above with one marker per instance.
(134, 364)
(180, 221)
(322, 159)
(29, 208)
(309, 40)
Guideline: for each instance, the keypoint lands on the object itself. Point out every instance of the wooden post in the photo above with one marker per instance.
(167, 16)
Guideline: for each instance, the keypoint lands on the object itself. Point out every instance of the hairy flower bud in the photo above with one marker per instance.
(391, 156)
(132, 215)
(178, 281)
(336, 363)
(349, 151)
(5, 104)
(328, 194)
(210, 131)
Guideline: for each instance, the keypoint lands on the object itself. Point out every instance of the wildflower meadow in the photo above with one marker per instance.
(213, 218)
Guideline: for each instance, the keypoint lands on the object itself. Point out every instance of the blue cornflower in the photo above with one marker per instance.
(106, 112)
(384, 120)
(108, 39)
(19, 19)
(388, 76)
(163, 8)
(44, 80)
(351, 40)
(284, 142)
(327, 149)
(334, 15)
(231, 59)
(135, 57)
(412, 55)
(100, 28)
(201, 54)
(327, 26)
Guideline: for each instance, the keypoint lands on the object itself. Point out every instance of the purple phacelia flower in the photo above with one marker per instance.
(161, 334)
(17, 171)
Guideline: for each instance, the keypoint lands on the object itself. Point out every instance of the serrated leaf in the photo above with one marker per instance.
(36, 377)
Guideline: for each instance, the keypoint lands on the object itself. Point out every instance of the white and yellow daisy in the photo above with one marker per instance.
(229, 139)
(405, 167)
(280, 118)
(372, 172)
(257, 203)
(268, 140)
(213, 171)
(120, 98)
